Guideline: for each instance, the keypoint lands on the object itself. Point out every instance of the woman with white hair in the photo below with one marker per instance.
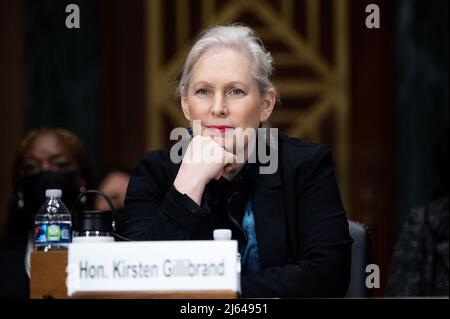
(287, 216)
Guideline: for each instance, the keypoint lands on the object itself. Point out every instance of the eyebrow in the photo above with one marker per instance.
(51, 158)
(201, 83)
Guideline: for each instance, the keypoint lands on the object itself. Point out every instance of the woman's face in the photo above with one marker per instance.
(48, 163)
(223, 94)
(47, 154)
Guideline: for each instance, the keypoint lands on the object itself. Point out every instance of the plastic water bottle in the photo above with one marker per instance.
(53, 223)
(225, 234)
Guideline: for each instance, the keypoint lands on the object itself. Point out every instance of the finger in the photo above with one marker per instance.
(215, 138)
(219, 175)
(228, 168)
(229, 157)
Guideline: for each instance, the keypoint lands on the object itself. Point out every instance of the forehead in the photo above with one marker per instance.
(220, 64)
(46, 145)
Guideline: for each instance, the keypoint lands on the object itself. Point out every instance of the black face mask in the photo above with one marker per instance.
(33, 189)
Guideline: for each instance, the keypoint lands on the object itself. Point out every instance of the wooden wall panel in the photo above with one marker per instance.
(12, 92)
(122, 66)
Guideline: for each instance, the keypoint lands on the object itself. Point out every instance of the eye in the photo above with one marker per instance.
(202, 91)
(30, 167)
(236, 91)
(60, 164)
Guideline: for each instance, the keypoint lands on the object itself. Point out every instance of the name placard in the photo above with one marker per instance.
(152, 266)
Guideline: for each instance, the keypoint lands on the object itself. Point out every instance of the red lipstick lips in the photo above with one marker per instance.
(221, 128)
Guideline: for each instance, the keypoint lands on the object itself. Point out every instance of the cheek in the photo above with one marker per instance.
(249, 115)
(198, 108)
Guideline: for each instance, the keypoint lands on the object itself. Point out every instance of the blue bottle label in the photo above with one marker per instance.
(40, 234)
(53, 233)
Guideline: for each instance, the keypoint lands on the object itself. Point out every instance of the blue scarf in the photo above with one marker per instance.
(250, 256)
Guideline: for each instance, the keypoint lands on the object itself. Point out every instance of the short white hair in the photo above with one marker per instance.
(237, 37)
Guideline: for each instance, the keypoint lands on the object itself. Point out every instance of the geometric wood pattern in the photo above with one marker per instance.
(309, 43)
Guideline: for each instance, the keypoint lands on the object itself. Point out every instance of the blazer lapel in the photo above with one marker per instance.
(270, 221)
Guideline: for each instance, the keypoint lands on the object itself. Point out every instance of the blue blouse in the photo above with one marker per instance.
(250, 257)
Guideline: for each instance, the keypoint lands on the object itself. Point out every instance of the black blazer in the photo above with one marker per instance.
(301, 227)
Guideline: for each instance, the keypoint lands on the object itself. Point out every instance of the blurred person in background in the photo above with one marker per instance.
(421, 257)
(114, 185)
(47, 158)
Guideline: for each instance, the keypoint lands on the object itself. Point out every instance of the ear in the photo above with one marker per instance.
(185, 107)
(268, 104)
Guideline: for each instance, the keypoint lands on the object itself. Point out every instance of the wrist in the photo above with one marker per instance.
(192, 187)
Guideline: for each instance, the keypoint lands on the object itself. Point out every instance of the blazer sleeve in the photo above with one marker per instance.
(155, 209)
(322, 264)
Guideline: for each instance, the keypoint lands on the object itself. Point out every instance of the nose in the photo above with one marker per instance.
(219, 107)
(45, 166)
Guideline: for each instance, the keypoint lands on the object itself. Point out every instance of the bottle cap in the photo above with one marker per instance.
(53, 193)
(222, 234)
